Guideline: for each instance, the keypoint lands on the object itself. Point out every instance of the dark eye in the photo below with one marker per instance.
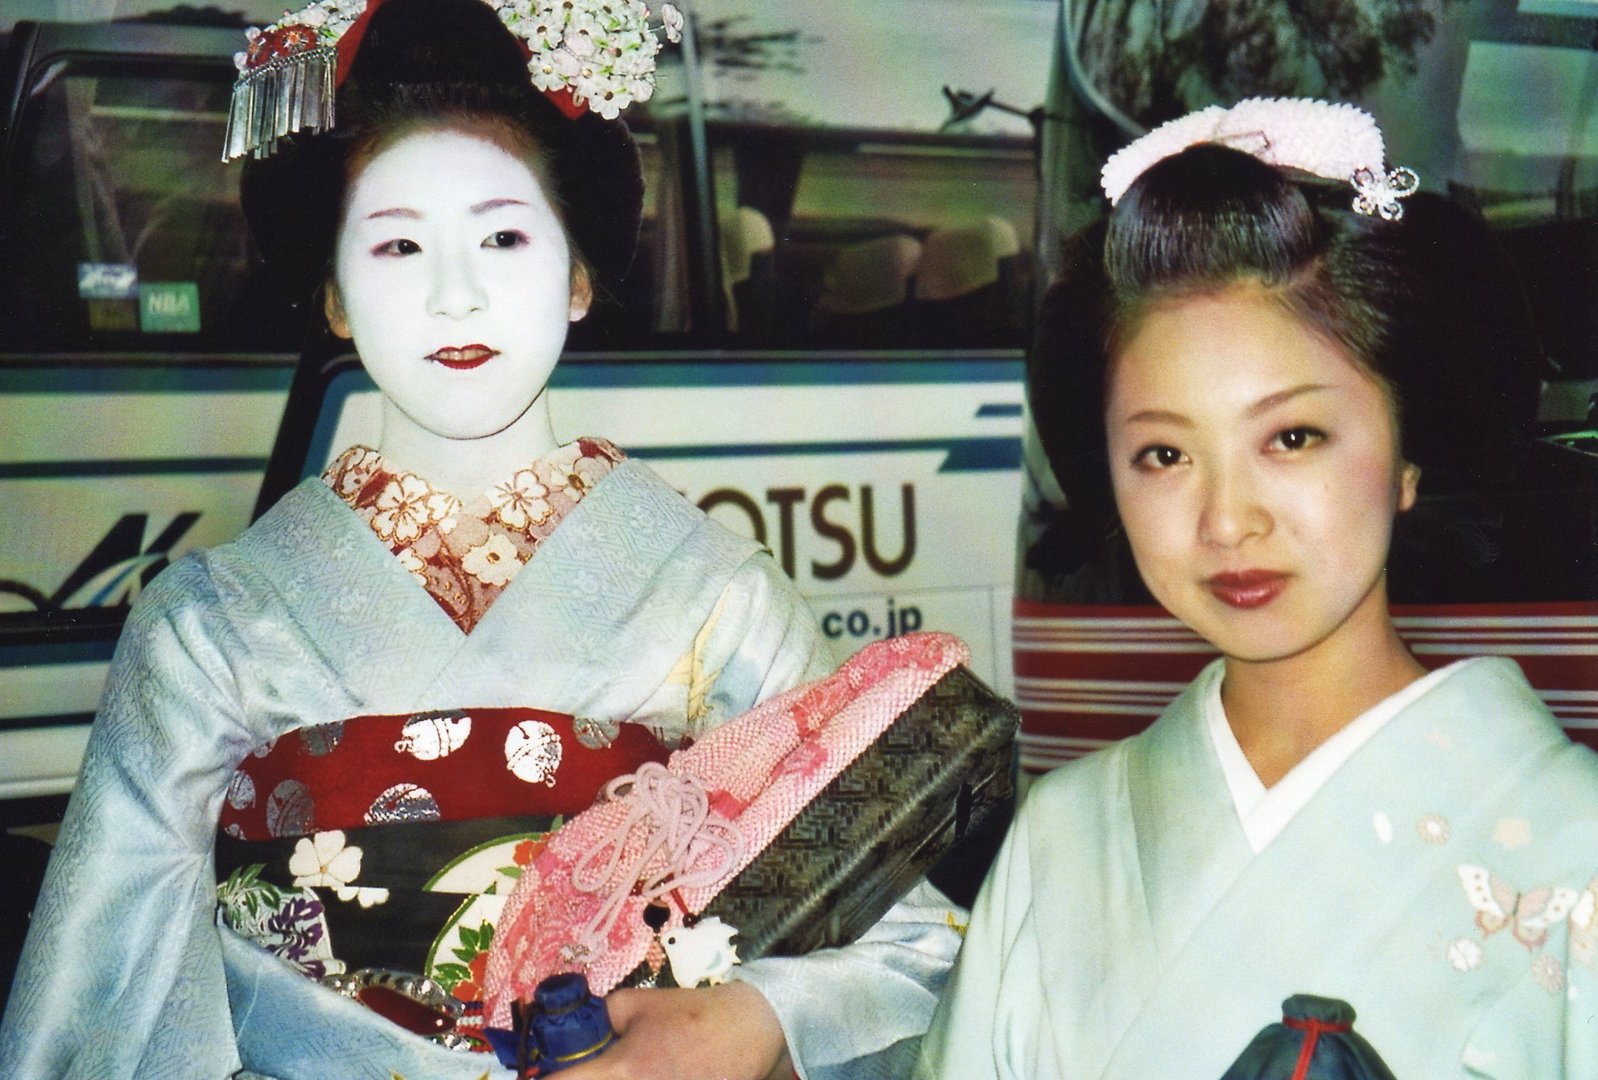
(1158, 457)
(400, 246)
(1298, 438)
(505, 238)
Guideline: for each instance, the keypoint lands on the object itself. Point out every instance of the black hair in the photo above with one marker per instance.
(446, 63)
(1428, 305)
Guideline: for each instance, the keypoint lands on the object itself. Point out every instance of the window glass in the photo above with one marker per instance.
(1528, 122)
(135, 242)
(129, 220)
(650, 306)
(854, 209)
(874, 240)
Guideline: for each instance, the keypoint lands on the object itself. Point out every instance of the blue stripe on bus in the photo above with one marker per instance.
(1000, 408)
(964, 454)
(817, 371)
(73, 652)
(801, 371)
(55, 470)
(168, 379)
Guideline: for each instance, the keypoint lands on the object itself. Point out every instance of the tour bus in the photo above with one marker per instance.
(820, 343)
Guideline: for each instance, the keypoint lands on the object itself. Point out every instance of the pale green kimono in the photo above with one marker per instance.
(308, 619)
(1442, 881)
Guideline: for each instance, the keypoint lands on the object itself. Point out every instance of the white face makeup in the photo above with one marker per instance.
(454, 279)
(1257, 474)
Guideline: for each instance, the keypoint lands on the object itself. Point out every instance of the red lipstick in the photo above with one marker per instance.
(1247, 589)
(464, 357)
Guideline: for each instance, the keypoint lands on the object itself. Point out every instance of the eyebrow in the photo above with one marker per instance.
(1259, 408)
(1271, 401)
(494, 204)
(477, 208)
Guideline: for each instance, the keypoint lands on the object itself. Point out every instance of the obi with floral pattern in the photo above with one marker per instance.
(391, 842)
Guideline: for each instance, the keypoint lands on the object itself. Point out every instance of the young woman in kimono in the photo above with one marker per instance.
(1252, 353)
(332, 744)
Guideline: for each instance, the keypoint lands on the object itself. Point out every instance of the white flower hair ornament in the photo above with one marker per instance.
(595, 55)
(1332, 141)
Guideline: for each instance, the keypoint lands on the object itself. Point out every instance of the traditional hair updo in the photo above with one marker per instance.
(445, 64)
(1428, 305)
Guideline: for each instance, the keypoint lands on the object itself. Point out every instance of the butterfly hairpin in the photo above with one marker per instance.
(1376, 192)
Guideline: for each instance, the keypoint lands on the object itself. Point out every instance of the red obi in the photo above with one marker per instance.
(436, 766)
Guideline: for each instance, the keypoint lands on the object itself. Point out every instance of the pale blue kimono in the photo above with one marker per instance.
(308, 619)
(1441, 881)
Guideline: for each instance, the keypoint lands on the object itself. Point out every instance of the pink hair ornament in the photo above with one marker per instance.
(1332, 141)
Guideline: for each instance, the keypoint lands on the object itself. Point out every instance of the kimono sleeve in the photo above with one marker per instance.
(858, 1012)
(1546, 1023)
(760, 640)
(973, 1033)
(851, 1013)
(122, 973)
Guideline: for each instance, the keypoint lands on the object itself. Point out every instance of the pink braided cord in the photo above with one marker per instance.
(689, 828)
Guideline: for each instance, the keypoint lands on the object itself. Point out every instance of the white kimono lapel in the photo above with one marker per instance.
(1330, 907)
(365, 629)
(607, 604)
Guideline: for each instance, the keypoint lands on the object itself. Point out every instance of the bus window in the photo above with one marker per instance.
(650, 305)
(851, 213)
(872, 240)
(130, 219)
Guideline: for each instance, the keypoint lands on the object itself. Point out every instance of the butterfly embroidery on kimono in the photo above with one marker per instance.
(1528, 915)
(1584, 927)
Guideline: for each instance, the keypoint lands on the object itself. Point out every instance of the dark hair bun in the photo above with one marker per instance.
(1207, 216)
(1430, 304)
(421, 60)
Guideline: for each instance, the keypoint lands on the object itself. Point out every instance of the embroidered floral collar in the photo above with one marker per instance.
(466, 553)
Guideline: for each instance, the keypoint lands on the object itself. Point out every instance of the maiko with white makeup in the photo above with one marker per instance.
(330, 749)
(1324, 856)
(453, 275)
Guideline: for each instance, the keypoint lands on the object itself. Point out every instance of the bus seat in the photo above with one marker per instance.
(748, 272)
(969, 290)
(961, 259)
(870, 276)
(866, 291)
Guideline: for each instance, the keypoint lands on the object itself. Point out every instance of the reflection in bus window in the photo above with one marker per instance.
(838, 239)
(651, 302)
(122, 194)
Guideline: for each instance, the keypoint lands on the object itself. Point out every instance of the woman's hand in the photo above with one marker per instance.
(726, 1032)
